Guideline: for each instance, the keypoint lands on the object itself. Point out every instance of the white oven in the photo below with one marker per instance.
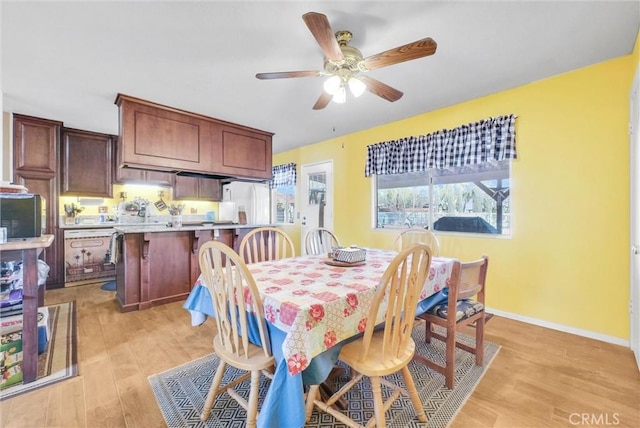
(87, 254)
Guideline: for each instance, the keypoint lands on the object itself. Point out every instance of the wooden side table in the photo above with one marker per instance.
(27, 250)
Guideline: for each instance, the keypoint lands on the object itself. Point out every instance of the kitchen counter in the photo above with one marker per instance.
(161, 227)
(88, 225)
(157, 226)
(158, 264)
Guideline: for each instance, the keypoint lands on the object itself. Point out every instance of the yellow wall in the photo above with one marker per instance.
(567, 260)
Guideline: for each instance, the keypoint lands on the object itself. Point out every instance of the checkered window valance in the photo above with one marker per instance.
(283, 175)
(471, 144)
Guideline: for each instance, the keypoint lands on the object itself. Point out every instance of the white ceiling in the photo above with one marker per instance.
(68, 60)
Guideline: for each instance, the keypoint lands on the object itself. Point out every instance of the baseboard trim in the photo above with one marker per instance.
(579, 332)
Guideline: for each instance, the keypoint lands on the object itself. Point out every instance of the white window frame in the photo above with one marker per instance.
(374, 209)
(274, 207)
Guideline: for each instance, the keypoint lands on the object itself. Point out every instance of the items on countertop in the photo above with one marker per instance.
(176, 209)
(176, 215)
(71, 211)
(6, 187)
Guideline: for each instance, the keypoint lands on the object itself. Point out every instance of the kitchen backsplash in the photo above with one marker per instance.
(92, 206)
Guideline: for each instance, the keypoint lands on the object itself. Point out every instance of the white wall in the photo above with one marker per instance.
(3, 155)
(6, 155)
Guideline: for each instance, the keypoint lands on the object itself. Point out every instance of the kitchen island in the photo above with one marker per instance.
(157, 264)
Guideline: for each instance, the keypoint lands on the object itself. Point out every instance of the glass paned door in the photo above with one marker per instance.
(316, 205)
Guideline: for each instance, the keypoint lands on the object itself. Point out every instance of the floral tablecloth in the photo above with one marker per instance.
(318, 305)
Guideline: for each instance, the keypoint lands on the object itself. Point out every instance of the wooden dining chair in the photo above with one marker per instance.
(411, 236)
(227, 278)
(466, 296)
(320, 241)
(266, 243)
(388, 349)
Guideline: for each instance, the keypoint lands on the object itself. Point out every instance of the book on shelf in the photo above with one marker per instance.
(10, 359)
(14, 323)
(6, 311)
(10, 323)
(10, 272)
(11, 311)
(11, 342)
(10, 375)
(10, 297)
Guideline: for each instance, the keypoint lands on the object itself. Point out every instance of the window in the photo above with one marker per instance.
(317, 188)
(283, 193)
(468, 199)
(453, 180)
(284, 204)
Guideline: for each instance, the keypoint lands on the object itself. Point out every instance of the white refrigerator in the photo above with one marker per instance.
(253, 198)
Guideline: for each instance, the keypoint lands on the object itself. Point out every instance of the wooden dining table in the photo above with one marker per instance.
(312, 307)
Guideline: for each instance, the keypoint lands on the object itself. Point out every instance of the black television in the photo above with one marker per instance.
(21, 214)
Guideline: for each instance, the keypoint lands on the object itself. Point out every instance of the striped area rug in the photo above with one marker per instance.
(59, 361)
(181, 391)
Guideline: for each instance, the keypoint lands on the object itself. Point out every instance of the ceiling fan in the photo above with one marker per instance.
(345, 65)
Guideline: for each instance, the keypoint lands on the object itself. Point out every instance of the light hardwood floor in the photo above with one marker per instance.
(540, 377)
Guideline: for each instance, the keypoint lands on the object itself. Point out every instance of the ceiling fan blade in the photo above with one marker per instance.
(323, 101)
(415, 50)
(319, 26)
(380, 89)
(287, 74)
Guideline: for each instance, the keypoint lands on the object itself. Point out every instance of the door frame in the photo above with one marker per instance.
(634, 204)
(329, 207)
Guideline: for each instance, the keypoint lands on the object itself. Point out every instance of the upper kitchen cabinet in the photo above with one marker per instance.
(126, 175)
(243, 152)
(35, 144)
(87, 163)
(35, 166)
(162, 138)
(197, 188)
(143, 176)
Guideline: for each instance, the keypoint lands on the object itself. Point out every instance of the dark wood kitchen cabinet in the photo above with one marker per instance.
(35, 144)
(125, 175)
(155, 268)
(160, 267)
(35, 166)
(203, 236)
(198, 188)
(143, 176)
(243, 152)
(162, 138)
(87, 159)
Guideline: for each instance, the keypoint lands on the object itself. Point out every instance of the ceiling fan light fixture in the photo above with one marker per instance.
(356, 86)
(332, 84)
(343, 63)
(340, 95)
